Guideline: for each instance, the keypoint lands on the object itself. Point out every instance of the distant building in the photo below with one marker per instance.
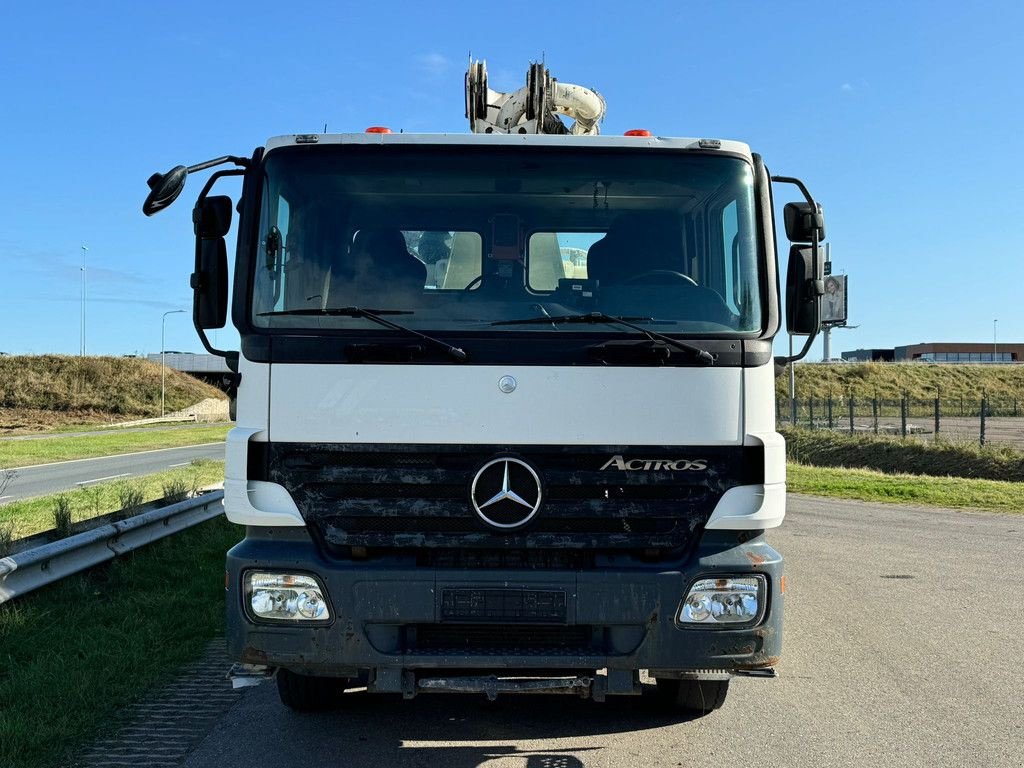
(941, 352)
(870, 356)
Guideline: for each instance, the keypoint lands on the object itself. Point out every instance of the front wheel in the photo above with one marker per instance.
(699, 696)
(304, 693)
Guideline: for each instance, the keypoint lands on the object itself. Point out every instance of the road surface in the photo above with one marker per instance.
(43, 479)
(903, 630)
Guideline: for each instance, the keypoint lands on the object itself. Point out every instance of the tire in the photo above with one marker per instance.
(698, 696)
(304, 693)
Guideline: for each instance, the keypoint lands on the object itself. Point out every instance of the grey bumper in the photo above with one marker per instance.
(629, 612)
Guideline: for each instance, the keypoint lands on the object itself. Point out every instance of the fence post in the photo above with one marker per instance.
(792, 412)
(937, 417)
(961, 405)
(830, 422)
(984, 407)
(874, 412)
(903, 415)
(810, 412)
(849, 401)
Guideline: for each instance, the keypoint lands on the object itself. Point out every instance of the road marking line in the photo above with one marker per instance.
(101, 479)
(117, 455)
(183, 464)
(5, 497)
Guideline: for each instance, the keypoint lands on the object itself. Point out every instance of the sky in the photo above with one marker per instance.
(902, 118)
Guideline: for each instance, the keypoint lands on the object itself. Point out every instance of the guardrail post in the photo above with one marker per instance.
(850, 405)
(874, 413)
(984, 407)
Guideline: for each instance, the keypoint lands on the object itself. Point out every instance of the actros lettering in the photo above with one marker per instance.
(654, 465)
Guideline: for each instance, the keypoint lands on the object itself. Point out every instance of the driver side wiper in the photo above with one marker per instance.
(374, 315)
(702, 355)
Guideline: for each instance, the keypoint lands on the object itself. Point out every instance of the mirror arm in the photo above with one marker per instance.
(239, 161)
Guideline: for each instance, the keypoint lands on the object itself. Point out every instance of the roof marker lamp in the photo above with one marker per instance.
(285, 597)
(714, 602)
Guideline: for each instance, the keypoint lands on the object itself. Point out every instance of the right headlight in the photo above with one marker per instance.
(285, 597)
(739, 600)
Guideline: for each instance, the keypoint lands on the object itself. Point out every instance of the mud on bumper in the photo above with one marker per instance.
(401, 623)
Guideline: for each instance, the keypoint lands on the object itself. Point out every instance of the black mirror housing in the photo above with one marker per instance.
(212, 216)
(164, 189)
(802, 221)
(210, 284)
(804, 288)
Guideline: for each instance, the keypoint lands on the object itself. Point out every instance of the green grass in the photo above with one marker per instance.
(895, 455)
(36, 515)
(73, 654)
(891, 380)
(23, 453)
(868, 485)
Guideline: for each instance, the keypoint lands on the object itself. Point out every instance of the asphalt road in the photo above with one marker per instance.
(66, 475)
(903, 636)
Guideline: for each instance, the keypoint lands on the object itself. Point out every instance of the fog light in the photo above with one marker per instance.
(724, 601)
(286, 597)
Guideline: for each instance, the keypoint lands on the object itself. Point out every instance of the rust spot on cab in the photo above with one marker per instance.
(755, 558)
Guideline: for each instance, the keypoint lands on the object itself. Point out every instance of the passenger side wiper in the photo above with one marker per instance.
(702, 355)
(374, 315)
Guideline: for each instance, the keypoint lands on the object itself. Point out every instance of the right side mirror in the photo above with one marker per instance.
(212, 219)
(804, 287)
(801, 222)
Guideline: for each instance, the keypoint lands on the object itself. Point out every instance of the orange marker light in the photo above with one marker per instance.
(637, 132)
(782, 585)
(378, 129)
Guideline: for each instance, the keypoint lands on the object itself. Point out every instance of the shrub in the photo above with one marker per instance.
(62, 515)
(129, 499)
(175, 490)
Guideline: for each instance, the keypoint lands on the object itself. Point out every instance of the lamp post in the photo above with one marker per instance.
(995, 341)
(81, 341)
(163, 355)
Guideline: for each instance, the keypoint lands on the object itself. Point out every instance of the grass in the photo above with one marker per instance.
(869, 485)
(23, 453)
(37, 515)
(915, 457)
(89, 388)
(73, 654)
(891, 380)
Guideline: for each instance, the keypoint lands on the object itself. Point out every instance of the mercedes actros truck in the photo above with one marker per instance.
(505, 410)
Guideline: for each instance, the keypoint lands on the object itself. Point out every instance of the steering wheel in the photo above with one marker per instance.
(678, 276)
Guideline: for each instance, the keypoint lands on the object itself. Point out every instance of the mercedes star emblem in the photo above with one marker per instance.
(506, 493)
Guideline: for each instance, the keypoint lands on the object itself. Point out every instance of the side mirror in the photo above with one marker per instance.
(804, 288)
(212, 219)
(802, 221)
(164, 189)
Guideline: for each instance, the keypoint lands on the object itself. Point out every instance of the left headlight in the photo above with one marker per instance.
(724, 601)
(285, 597)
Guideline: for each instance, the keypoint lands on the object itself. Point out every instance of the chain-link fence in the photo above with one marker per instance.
(980, 419)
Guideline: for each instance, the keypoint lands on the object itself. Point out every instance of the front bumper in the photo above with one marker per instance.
(619, 619)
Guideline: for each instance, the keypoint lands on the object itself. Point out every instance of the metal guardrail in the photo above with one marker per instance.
(25, 571)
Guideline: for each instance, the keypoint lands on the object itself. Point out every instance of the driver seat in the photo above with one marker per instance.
(637, 243)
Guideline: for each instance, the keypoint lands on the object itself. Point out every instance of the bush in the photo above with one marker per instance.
(62, 515)
(916, 457)
(175, 490)
(6, 537)
(129, 499)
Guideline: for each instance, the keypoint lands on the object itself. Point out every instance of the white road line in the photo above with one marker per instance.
(116, 455)
(183, 464)
(5, 497)
(101, 479)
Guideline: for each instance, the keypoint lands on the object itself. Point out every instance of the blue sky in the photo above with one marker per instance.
(902, 118)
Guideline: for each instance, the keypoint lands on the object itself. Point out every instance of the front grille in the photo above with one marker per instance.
(417, 496)
(497, 639)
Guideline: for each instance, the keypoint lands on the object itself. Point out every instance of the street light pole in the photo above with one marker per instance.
(995, 342)
(163, 357)
(81, 341)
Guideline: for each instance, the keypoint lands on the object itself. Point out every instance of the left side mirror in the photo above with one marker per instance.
(804, 286)
(802, 221)
(212, 219)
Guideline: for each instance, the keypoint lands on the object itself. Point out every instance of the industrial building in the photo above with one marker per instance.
(941, 352)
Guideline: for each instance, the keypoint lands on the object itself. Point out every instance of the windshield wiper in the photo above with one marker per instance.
(699, 354)
(374, 315)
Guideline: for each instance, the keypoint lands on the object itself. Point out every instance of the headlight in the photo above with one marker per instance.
(286, 597)
(724, 601)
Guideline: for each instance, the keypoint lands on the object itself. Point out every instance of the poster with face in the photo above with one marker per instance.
(833, 303)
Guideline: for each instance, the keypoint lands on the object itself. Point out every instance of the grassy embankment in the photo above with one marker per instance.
(30, 516)
(73, 654)
(44, 392)
(891, 380)
(23, 453)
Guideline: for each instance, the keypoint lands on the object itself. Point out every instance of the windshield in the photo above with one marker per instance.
(462, 238)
